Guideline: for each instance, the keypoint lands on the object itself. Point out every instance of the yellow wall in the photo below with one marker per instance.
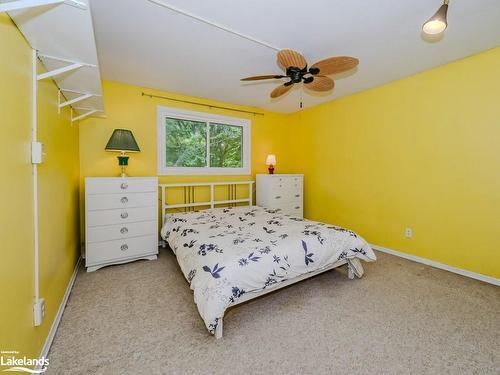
(422, 152)
(16, 228)
(127, 108)
(58, 186)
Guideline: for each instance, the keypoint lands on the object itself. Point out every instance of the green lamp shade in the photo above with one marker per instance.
(122, 140)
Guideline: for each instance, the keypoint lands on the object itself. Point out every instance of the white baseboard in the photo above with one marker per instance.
(57, 319)
(472, 275)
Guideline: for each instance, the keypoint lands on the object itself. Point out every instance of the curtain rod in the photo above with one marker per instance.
(202, 104)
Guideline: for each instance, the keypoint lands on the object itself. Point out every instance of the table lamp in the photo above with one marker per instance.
(271, 162)
(122, 140)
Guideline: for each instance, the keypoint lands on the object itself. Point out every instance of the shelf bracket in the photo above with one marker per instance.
(75, 100)
(49, 57)
(73, 65)
(78, 92)
(25, 4)
(59, 71)
(83, 115)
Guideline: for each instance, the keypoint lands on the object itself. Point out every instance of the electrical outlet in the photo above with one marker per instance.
(408, 233)
(39, 312)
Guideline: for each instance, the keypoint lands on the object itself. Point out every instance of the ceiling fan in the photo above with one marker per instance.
(314, 78)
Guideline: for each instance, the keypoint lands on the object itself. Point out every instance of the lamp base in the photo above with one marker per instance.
(123, 162)
(271, 169)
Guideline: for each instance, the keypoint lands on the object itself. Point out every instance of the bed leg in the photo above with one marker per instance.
(350, 272)
(218, 329)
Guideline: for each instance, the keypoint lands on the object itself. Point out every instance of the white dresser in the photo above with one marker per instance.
(284, 191)
(121, 220)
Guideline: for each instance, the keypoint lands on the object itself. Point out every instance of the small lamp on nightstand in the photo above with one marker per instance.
(271, 162)
(122, 140)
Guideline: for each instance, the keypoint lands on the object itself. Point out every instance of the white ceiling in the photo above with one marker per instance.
(144, 44)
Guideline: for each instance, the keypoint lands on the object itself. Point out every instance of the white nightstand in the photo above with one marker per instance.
(284, 191)
(121, 220)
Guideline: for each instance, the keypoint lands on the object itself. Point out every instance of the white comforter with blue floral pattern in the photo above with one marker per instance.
(226, 252)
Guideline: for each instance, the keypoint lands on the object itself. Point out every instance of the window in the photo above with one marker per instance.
(200, 143)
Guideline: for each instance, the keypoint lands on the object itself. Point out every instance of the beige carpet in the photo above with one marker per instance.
(401, 318)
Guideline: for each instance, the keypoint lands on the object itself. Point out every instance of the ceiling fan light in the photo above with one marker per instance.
(438, 22)
(434, 27)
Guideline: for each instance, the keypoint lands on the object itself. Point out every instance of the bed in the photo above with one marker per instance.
(230, 255)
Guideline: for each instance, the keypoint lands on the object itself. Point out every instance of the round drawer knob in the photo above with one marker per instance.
(124, 186)
(124, 200)
(124, 247)
(124, 215)
(278, 197)
(124, 230)
(297, 207)
(297, 195)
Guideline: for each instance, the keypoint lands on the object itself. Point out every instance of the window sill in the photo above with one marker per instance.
(204, 171)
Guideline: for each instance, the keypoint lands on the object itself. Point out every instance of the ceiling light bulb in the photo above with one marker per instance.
(434, 27)
(438, 22)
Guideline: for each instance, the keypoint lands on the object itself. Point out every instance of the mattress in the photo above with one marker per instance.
(227, 252)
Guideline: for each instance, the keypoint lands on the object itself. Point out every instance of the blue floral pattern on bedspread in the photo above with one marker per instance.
(227, 252)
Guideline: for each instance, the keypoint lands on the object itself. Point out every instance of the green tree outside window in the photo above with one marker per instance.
(186, 144)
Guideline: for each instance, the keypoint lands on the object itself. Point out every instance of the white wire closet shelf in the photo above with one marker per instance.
(62, 33)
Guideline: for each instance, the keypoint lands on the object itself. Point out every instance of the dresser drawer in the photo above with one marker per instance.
(100, 252)
(286, 182)
(285, 179)
(120, 216)
(286, 195)
(289, 205)
(116, 232)
(120, 185)
(123, 200)
(286, 190)
(293, 210)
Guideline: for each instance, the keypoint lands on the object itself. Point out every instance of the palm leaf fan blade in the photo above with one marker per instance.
(280, 90)
(256, 78)
(320, 83)
(288, 58)
(335, 65)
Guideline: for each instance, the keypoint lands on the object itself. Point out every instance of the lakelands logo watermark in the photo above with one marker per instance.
(14, 363)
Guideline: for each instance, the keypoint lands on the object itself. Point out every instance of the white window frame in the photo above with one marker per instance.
(163, 170)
